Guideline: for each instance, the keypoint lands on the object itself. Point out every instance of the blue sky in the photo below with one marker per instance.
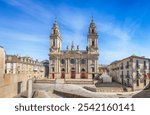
(123, 26)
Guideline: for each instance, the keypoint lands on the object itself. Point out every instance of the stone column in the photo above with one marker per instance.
(77, 69)
(59, 70)
(29, 90)
(96, 66)
(79, 66)
(68, 66)
(66, 70)
(56, 67)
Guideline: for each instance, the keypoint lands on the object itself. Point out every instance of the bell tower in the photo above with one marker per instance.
(55, 39)
(92, 37)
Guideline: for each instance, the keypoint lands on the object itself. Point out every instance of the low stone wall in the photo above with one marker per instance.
(51, 81)
(68, 95)
(9, 86)
(79, 81)
(105, 89)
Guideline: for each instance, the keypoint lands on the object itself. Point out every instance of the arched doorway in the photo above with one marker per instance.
(83, 76)
(62, 73)
(73, 73)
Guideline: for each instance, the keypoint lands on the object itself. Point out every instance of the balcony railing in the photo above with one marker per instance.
(138, 66)
(127, 76)
(138, 76)
(145, 67)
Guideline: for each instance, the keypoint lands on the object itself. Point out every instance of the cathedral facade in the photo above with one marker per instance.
(73, 63)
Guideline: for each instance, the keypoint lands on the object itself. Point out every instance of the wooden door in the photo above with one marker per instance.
(53, 75)
(83, 75)
(62, 75)
(73, 76)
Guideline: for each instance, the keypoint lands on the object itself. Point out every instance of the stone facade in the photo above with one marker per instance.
(24, 65)
(132, 71)
(2, 63)
(46, 67)
(73, 63)
(102, 69)
(15, 72)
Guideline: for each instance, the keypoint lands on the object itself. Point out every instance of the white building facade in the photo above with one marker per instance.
(132, 71)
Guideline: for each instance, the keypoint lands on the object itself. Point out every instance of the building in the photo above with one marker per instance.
(46, 67)
(24, 65)
(15, 71)
(132, 71)
(102, 69)
(73, 63)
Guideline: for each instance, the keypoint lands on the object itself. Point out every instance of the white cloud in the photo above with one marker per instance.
(74, 24)
(33, 9)
(14, 35)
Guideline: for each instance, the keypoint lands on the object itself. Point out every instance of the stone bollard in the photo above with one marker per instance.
(29, 89)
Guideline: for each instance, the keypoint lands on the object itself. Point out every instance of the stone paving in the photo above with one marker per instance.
(79, 90)
(143, 94)
(46, 94)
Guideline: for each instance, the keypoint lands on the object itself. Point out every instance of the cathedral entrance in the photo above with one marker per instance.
(83, 76)
(63, 73)
(73, 73)
(53, 75)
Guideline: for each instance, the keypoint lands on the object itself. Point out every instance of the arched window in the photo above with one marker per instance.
(82, 70)
(92, 31)
(93, 43)
(53, 42)
(83, 61)
(62, 61)
(93, 69)
(63, 69)
(54, 31)
(72, 61)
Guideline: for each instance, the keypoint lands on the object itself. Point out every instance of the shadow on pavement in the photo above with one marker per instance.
(144, 93)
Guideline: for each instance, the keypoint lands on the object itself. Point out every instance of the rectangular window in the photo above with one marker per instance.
(127, 72)
(128, 76)
(93, 76)
(53, 69)
(93, 69)
(53, 42)
(93, 43)
(122, 66)
(127, 66)
(137, 74)
(137, 63)
(145, 65)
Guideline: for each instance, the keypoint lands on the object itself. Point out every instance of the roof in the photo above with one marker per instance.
(130, 57)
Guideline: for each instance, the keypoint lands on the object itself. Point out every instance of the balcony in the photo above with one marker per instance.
(137, 76)
(144, 67)
(127, 76)
(137, 66)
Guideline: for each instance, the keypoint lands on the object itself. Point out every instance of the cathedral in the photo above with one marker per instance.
(73, 63)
